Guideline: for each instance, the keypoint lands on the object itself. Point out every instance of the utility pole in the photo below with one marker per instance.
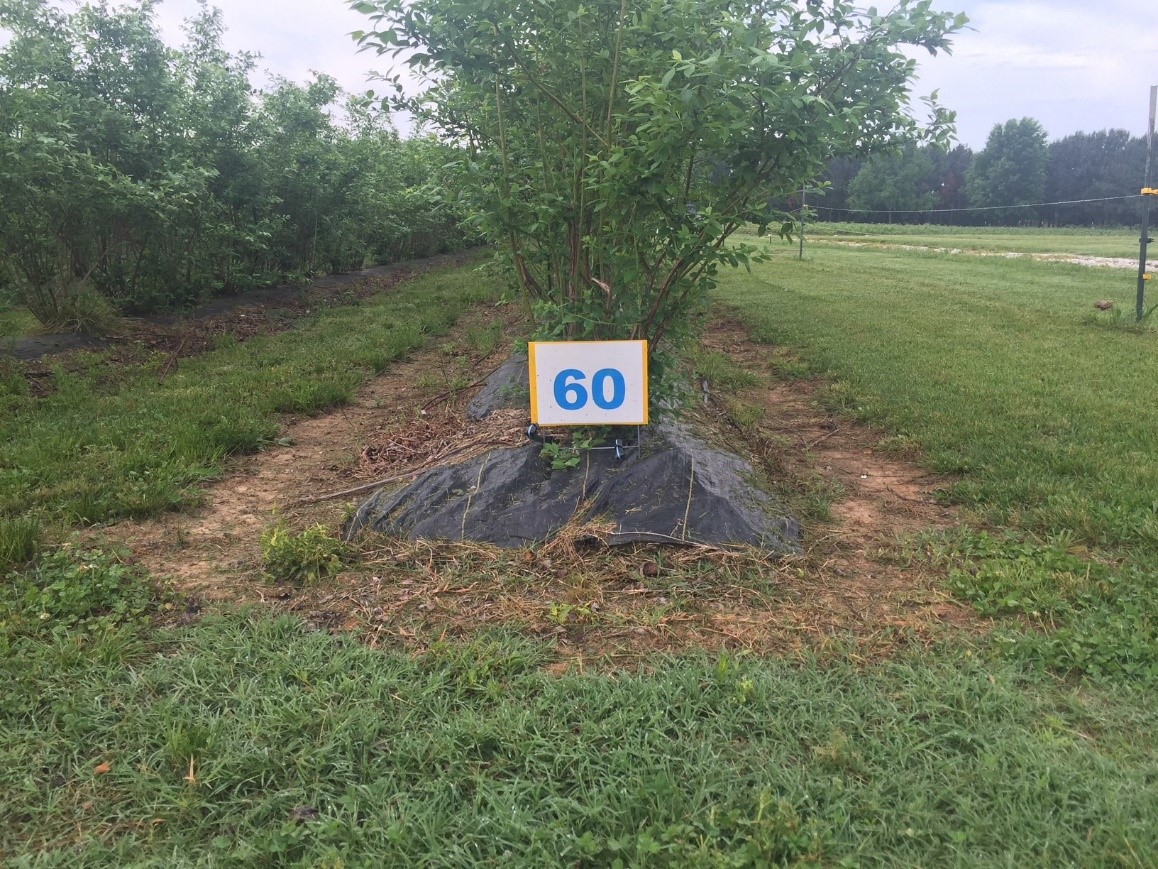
(1147, 192)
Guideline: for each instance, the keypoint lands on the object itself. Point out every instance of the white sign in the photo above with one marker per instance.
(588, 382)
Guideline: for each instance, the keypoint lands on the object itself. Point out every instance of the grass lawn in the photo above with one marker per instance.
(250, 740)
(245, 738)
(997, 372)
(994, 368)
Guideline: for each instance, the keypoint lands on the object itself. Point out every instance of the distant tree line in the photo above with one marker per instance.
(137, 177)
(1017, 167)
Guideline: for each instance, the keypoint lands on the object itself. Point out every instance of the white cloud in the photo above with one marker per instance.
(292, 36)
(1072, 66)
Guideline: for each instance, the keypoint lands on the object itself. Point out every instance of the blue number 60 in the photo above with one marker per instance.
(571, 395)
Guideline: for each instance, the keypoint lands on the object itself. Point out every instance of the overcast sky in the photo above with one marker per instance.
(1071, 64)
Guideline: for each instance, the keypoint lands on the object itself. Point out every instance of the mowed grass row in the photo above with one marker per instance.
(129, 441)
(995, 371)
(253, 741)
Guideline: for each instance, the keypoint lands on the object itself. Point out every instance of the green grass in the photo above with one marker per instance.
(16, 323)
(249, 740)
(998, 372)
(1085, 242)
(994, 367)
(19, 541)
(120, 441)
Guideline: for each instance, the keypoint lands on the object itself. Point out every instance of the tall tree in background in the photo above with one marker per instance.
(83, 102)
(950, 169)
(617, 144)
(1010, 170)
(836, 179)
(1106, 164)
(900, 181)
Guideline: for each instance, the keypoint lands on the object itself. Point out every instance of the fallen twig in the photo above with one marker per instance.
(823, 438)
(656, 537)
(897, 494)
(365, 487)
(173, 358)
(450, 393)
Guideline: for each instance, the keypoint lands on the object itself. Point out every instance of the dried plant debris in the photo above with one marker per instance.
(853, 588)
(436, 438)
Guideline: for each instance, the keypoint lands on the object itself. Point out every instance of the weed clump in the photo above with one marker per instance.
(1116, 318)
(19, 541)
(70, 591)
(303, 558)
(1094, 617)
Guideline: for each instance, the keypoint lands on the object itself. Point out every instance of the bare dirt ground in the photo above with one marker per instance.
(853, 588)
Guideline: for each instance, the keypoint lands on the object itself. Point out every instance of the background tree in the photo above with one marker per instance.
(69, 191)
(898, 181)
(1109, 163)
(1010, 170)
(950, 169)
(615, 145)
(836, 181)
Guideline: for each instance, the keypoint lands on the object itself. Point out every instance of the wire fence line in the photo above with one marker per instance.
(968, 209)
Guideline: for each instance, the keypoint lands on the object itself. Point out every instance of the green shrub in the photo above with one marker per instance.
(84, 311)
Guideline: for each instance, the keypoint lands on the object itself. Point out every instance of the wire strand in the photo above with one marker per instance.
(974, 207)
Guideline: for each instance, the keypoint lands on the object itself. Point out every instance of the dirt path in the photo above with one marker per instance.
(879, 503)
(851, 584)
(214, 552)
